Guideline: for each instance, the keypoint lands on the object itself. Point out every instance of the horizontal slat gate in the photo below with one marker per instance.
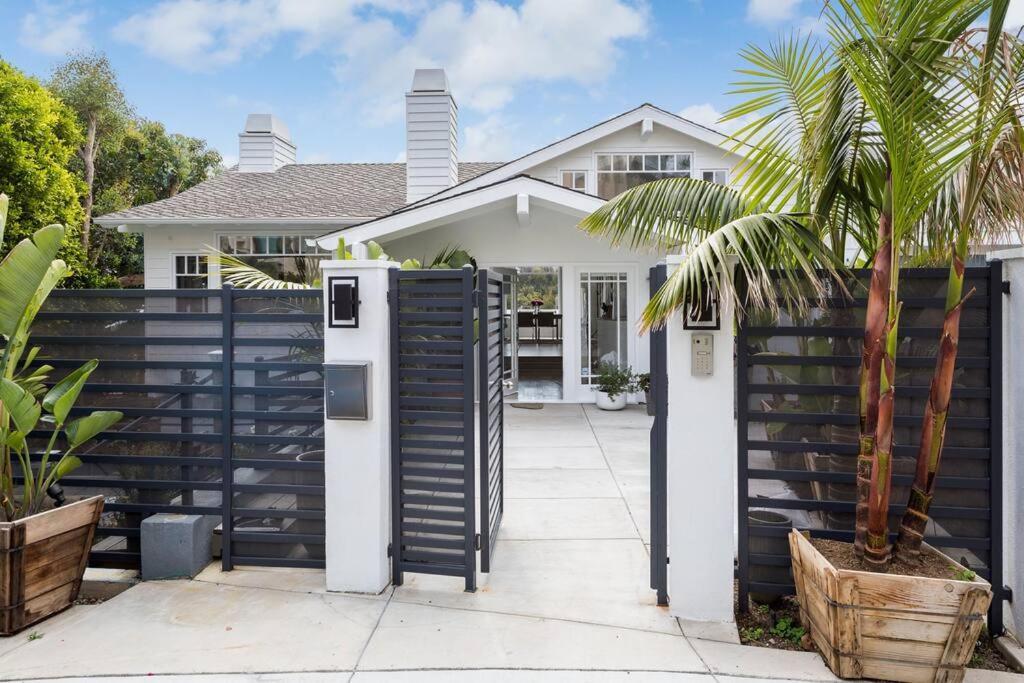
(432, 437)
(492, 438)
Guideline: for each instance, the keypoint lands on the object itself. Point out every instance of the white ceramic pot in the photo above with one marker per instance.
(605, 402)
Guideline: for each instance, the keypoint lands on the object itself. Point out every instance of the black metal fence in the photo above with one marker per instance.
(222, 394)
(432, 425)
(659, 448)
(797, 428)
(491, 326)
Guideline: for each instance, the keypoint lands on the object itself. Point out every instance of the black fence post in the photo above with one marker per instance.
(742, 483)
(226, 380)
(396, 451)
(659, 449)
(468, 440)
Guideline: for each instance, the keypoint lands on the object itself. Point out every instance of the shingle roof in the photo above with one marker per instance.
(294, 191)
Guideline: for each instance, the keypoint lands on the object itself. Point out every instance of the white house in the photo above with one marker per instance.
(521, 215)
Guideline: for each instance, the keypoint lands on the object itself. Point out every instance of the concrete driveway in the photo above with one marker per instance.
(568, 599)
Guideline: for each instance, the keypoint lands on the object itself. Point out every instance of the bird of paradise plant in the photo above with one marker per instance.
(28, 273)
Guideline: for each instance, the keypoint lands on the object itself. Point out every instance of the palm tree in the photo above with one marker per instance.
(985, 196)
(856, 142)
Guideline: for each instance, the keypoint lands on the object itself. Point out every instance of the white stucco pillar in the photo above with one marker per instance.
(1013, 435)
(701, 473)
(357, 452)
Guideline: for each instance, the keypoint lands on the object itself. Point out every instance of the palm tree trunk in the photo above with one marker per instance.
(936, 412)
(871, 363)
(877, 550)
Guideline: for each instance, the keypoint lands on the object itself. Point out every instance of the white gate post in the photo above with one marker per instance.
(701, 473)
(1013, 433)
(357, 452)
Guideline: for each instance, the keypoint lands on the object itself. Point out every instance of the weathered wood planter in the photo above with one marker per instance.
(897, 628)
(42, 560)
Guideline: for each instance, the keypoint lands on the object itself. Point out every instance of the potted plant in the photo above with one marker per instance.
(613, 383)
(643, 383)
(44, 544)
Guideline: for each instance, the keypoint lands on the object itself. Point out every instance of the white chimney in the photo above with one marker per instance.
(265, 145)
(431, 135)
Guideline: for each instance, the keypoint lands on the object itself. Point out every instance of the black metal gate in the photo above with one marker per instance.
(432, 423)
(492, 460)
(659, 450)
(797, 428)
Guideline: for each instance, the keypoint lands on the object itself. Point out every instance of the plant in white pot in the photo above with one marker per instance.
(613, 385)
(44, 544)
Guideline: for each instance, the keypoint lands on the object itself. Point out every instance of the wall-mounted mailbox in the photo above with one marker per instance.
(347, 390)
(343, 301)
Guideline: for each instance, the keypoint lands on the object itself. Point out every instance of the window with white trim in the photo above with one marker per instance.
(617, 173)
(283, 257)
(190, 271)
(717, 175)
(575, 180)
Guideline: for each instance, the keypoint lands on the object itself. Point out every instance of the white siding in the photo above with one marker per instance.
(431, 144)
(663, 139)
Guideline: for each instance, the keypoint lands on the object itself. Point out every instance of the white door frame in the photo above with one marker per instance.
(573, 390)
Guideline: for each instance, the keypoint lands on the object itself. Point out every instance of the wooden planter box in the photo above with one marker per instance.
(42, 560)
(897, 628)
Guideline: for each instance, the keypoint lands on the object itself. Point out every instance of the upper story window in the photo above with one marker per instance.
(617, 173)
(575, 180)
(284, 257)
(720, 176)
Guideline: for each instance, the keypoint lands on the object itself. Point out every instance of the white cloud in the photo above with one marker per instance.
(771, 11)
(489, 49)
(1015, 14)
(493, 139)
(707, 115)
(54, 29)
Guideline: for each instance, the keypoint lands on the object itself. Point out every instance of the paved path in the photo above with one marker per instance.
(568, 599)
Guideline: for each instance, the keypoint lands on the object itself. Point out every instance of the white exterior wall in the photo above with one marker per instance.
(662, 140)
(431, 144)
(552, 238)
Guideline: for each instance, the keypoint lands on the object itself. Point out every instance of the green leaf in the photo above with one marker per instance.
(84, 428)
(376, 252)
(61, 398)
(4, 201)
(64, 467)
(20, 405)
(15, 441)
(22, 272)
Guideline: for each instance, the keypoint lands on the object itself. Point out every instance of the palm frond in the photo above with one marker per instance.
(245, 276)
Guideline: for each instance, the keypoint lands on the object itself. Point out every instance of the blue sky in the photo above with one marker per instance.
(523, 72)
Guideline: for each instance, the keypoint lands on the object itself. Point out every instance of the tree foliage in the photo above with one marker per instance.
(38, 139)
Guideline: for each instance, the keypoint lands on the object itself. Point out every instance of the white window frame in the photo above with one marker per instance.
(302, 237)
(654, 150)
(174, 268)
(586, 178)
(715, 170)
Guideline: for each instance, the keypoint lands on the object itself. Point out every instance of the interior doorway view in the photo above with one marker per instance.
(534, 348)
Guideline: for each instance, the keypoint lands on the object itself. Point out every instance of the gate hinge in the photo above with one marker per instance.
(1006, 593)
(668, 559)
(389, 550)
(1006, 286)
(476, 542)
(389, 296)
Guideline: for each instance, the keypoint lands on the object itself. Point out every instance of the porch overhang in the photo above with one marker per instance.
(517, 194)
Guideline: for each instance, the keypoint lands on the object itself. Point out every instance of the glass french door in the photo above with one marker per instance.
(604, 321)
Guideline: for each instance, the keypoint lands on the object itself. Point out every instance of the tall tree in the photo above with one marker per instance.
(86, 82)
(38, 139)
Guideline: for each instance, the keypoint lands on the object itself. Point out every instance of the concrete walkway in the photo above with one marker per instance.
(568, 599)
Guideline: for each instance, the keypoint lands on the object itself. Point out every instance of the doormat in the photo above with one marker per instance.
(528, 406)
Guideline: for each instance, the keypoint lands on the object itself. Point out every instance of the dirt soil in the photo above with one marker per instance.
(931, 565)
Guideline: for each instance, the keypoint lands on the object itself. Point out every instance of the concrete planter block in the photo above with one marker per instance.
(176, 546)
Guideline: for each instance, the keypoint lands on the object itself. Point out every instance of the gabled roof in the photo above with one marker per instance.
(307, 193)
(591, 134)
(435, 211)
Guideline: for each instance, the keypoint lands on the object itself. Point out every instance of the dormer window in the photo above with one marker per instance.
(575, 180)
(616, 173)
(720, 176)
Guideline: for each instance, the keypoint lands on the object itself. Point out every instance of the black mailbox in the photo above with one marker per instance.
(343, 301)
(347, 390)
